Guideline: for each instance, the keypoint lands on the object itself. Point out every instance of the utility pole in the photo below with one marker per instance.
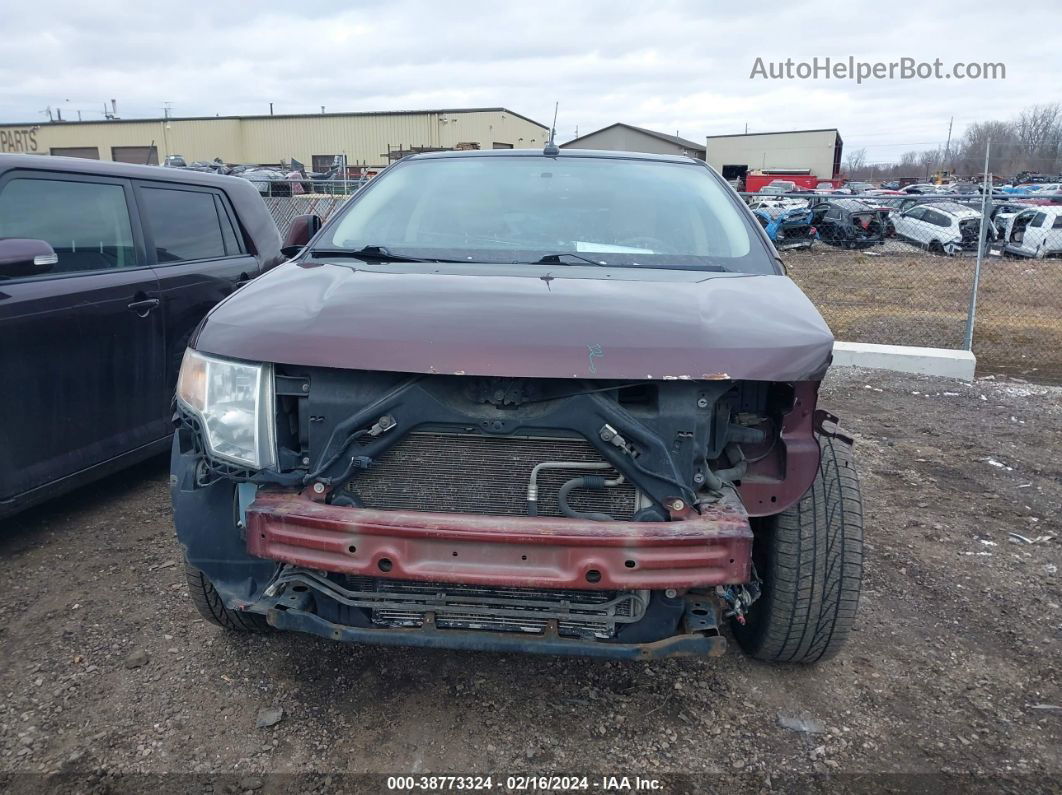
(947, 146)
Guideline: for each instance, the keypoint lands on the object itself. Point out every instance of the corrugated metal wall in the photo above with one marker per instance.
(266, 139)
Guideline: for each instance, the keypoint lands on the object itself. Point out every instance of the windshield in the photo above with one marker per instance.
(520, 209)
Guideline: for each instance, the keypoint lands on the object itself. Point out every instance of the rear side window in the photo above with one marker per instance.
(186, 225)
(1058, 222)
(87, 223)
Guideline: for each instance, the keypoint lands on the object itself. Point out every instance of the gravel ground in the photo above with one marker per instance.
(106, 670)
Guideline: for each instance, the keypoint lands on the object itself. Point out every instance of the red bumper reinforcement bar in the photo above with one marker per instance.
(710, 548)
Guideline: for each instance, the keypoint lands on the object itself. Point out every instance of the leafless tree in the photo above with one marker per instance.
(855, 162)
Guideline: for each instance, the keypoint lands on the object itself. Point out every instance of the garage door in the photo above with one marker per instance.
(89, 152)
(143, 155)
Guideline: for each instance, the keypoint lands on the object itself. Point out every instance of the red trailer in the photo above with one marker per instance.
(801, 177)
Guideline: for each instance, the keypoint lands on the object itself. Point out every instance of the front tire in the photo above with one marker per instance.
(210, 606)
(810, 558)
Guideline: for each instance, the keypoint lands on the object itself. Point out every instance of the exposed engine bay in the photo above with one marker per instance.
(501, 446)
(518, 450)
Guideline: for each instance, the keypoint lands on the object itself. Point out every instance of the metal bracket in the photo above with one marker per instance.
(821, 416)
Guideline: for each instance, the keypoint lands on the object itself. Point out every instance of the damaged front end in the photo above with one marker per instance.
(595, 517)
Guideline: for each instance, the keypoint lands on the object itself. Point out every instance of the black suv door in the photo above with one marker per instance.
(80, 346)
(197, 250)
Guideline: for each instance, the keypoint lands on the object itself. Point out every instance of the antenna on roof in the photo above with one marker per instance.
(551, 149)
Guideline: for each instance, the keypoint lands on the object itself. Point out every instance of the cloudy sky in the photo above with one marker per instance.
(672, 66)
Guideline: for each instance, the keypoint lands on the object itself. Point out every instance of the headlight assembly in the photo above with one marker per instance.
(234, 404)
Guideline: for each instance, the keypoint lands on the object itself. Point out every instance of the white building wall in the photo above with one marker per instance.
(812, 150)
(363, 138)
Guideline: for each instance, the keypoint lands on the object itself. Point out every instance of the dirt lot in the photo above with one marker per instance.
(955, 667)
(899, 296)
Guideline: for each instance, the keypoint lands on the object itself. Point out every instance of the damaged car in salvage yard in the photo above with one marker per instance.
(540, 401)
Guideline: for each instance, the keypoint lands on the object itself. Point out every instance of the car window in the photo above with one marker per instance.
(1058, 222)
(917, 213)
(1038, 220)
(185, 224)
(627, 212)
(232, 243)
(87, 223)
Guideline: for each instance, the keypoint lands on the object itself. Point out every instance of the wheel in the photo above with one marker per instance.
(810, 560)
(935, 247)
(208, 602)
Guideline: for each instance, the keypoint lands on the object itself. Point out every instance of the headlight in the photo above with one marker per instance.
(234, 403)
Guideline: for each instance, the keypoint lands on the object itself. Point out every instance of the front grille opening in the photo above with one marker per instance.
(469, 473)
(579, 614)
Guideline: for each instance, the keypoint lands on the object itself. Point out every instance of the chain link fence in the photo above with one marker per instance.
(890, 269)
(289, 198)
(901, 270)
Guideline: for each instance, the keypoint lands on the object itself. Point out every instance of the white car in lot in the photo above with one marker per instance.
(1035, 232)
(776, 206)
(943, 227)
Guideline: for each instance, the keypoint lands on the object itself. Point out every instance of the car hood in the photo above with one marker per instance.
(612, 323)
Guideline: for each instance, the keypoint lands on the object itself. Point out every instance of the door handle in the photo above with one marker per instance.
(144, 306)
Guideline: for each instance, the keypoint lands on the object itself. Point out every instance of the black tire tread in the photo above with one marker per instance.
(208, 602)
(814, 568)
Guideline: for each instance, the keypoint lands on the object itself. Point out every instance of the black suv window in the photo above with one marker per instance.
(87, 223)
(187, 224)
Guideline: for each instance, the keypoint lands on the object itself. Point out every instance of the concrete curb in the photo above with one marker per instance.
(943, 362)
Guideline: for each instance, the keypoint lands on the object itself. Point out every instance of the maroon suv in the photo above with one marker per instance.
(523, 400)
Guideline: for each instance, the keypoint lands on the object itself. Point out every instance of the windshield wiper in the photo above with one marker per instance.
(375, 253)
(555, 259)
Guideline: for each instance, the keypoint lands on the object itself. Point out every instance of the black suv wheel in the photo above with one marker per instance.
(810, 558)
(208, 602)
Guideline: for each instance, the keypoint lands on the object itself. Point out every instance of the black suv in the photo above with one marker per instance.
(105, 271)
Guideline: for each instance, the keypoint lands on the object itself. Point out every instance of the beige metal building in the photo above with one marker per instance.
(819, 151)
(367, 139)
(628, 138)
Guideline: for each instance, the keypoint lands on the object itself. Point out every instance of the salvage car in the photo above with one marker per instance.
(851, 223)
(105, 270)
(774, 206)
(1003, 211)
(788, 229)
(943, 227)
(557, 401)
(1035, 232)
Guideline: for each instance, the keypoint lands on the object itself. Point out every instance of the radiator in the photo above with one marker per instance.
(469, 473)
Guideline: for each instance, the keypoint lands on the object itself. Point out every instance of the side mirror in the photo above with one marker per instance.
(301, 231)
(25, 257)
